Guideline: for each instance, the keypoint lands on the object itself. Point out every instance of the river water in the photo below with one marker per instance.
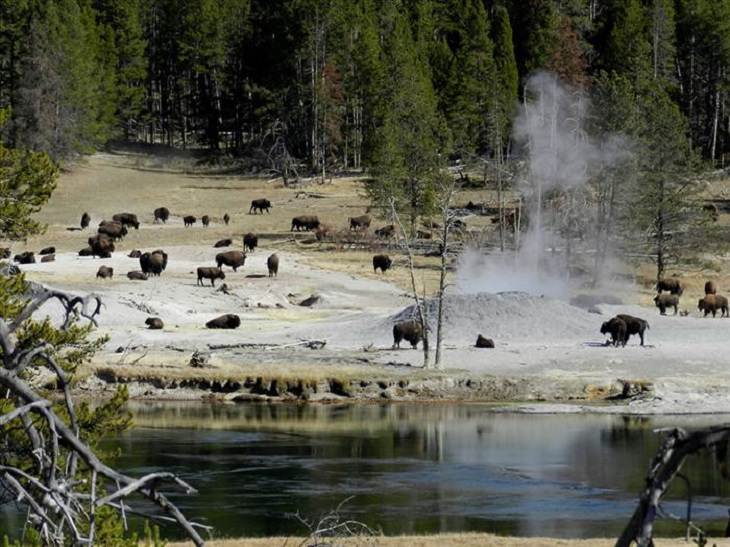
(411, 468)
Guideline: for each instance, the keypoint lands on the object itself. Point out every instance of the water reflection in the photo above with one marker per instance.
(412, 468)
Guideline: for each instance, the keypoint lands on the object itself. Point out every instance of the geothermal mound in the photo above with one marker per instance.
(508, 316)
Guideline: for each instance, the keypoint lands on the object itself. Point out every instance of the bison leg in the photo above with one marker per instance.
(212, 281)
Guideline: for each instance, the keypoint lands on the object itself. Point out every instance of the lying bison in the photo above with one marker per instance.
(670, 285)
(101, 245)
(153, 263)
(86, 251)
(664, 301)
(226, 219)
(304, 222)
(484, 342)
(104, 272)
(85, 220)
(711, 303)
(386, 232)
(137, 276)
(272, 263)
(710, 287)
(154, 323)
(260, 205)
(115, 230)
(127, 219)
(162, 213)
(234, 259)
(410, 331)
(616, 327)
(227, 321)
(383, 262)
(28, 257)
(209, 273)
(48, 258)
(205, 219)
(250, 241)
(134, 253)
(189, 220)
(223, 243)
(360, 223)
(634, 325)
(47, 251)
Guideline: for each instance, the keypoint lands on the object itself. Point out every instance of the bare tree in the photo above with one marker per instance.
(64, 484)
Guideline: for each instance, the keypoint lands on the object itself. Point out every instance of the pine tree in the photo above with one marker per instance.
(627, 49)
(535, 24)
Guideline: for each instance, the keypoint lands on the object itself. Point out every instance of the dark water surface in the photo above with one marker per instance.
(411, 468)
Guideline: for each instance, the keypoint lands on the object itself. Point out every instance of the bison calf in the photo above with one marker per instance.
(664, 301)
(410, 331)
(227, 321)
(272, 263)
(104, 272)
(383, 262)
(209, 273)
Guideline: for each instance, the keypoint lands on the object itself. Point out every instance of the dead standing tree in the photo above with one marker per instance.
(62, 501)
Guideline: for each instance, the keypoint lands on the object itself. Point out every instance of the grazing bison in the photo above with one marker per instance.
(272, 263)
(205, 219)
(383, 262)
(137, 276)
(101, 245)
(664, 301)
(162, 213)
(410, 331)
(47, 251)
(86, 251)
(227, 321)
(386, 232)
(360, 223)
(304, 222)
(127, 219)
(189, 220)
(234, 259)
(115, 230)
(223, 243)
(85, 220)
(105, 272)
(153, 263)
(134, 253)
(710, 287)
(48, 258)
(671, 285)
(484, 342)
(154, 323)
(634, 325)
(209, 273)
(28, 257)
(226, 219)
(250, 241)
(617, 328)
(260, 205)
(5, 252)
(713, 302)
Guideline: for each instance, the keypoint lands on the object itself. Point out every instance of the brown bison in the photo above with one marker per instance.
(205, 219)
(711, 303)
(410, 331)
(484, 342)
(664, 301)
(260, 205)
(386, 232)
(115, 230)
(360, 223)
(5, 252)
(209, 273)
(189, 220)
(634, 325)
(137, 276)
(223, 243)
(48, 258)
(85, 220)
(234, 259)
(127, 219)
(47, 251)
(134, 253)
(105, 272)
(226, 219)
(383, 262)
(671, 285)
(250, 241)
(272, 263)
(304, 222)
(616, 327)
(154, 323)
(101, 245)
(86, 251)
(153, 263)
(710, 287)
(162, 213)
(28, 257)
(226, 321)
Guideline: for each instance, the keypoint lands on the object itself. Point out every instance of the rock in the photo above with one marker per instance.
(484, 342)
(311, 301)
(8, 270)
(199, 359)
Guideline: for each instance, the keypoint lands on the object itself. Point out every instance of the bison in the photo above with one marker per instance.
(304, 222)
(234, 259)
(101, 245)
(205, 219)
(115, 230)
(48, 258)
(484, 342)
(710, 287)
(154, 323)
(664, 301)
(162, 213)
(86, 251)
(260, 205)
(386, 232)
(713, 302)
(383, 262)
(616, 327)
(47, 251)
(105, 272)
(209, 273)
(137, 276)
(360, 223)
(272, 263)
(189, 220)
(226, 219)
(226, 321)
(634, 325)
(134, 253)
(85, 220)
(250, 241)
(223, 243)
(127, 219)
(410, 331)
(671, 285)
(153, 263)
(28, 257)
